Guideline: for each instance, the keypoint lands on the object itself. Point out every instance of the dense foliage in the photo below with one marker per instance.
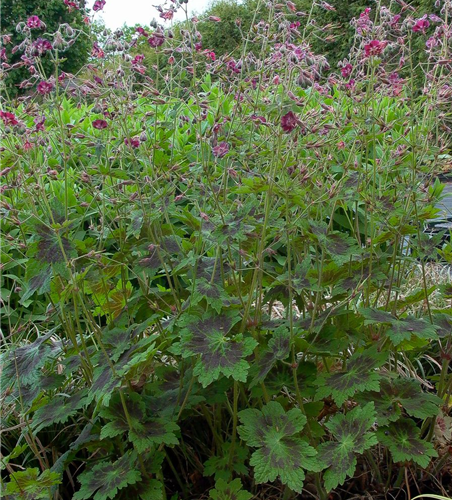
(214, 281)
(63, 28)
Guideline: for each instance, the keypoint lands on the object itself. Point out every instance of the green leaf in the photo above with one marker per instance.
(360, 375)
(229, 491)
(57, 410)
(25, 363)
(278, 349)
(403, 440)
(143, 431)
(404, 329)
(30, 485)
(352, 435)
(220, 353)
(219, 466)
(214, 295)
(279, 452)
(104, 480)
(401, 392)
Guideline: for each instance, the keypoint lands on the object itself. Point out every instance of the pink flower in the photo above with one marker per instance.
(41, 46)
(34, 22)
(421, 25)
(100, 124)
(39, 122)
(141, 31)
(198, 46)
(291, 6)
(98, 5)
(289, 122)
(139, 58)
(326, 6)
(167, 15)
(374, 48)
(221, 149)
(97, 51)
(156, 40)
(346, 70)
(8, 118)
(44, 87)
(71, 4)
(211, 56)
(28, 145)
(215, 19)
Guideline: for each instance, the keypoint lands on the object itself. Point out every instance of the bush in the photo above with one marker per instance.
(218, 287)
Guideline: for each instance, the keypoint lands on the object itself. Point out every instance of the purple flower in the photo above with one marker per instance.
(155, 40)
(98, 5)
(100, 124)
(97, 51)
(221, 149)
(346, 70)
(374, 48)
(133, 143)
(421, 25)
(289, 122)
(34, 22)
(41, 46)
(44, 87)
(8, 118)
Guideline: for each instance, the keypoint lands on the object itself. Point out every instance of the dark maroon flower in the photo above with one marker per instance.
(44, 87)
(211, 55)
(100, 124)
(221, 149)
(156, 40)
(141, 31)
(97, 51)
(41, 46)
(98, 5)
(8, 118)
(139, 58)
(289, 122)
(34, 22)
(421, 25)
(72, 4)
(198, 46)
(374, 48)
(39, 123)
(346, 70)
(133, 143)
(167, 15)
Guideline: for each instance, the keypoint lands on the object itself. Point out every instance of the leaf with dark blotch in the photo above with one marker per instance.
(403, 440)
(148, 489)
(403, 392)
(53, 248)
(156, 431)
(220, 468)
(28, 484)
(352, 435)
(104, 480)
(360, 375)
(279, 453)
(171, 244)
(57, 410)
(229, 491)
(372, 316)
(278, 349)
(215, 295)
(143, 432)
(220, 353)
(404, 329)
(24, 363)
(443, 323)
(151, 262)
